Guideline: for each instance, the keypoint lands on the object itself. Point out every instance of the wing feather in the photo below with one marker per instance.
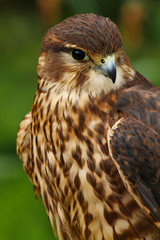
(136, 151)
(134, 143)
(24, 144)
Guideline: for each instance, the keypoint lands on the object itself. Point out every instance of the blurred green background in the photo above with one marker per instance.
(22, 26)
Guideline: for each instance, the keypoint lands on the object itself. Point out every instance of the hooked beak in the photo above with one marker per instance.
(108, 68)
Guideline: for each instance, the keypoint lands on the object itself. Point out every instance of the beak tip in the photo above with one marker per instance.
(112, 73)
(113, 78)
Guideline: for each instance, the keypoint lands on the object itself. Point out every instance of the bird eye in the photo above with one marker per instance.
(79, 55)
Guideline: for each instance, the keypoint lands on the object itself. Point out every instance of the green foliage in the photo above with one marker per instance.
(20, 45)
(22, 217)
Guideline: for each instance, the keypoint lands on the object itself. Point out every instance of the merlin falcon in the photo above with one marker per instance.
(91, 142)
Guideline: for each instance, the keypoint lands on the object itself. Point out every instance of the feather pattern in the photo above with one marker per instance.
(91, 147)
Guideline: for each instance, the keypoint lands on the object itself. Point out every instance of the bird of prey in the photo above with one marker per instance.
(91, 142)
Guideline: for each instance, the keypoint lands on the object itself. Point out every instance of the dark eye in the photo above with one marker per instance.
(78, 54)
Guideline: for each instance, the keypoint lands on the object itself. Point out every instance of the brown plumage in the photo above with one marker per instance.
(91, 143)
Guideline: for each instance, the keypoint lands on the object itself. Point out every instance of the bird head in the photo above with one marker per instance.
(84, 54)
